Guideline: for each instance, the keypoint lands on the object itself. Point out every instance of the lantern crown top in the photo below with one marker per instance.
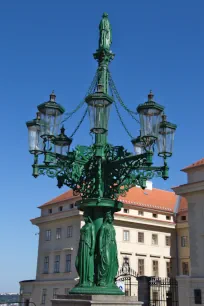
(150, 96)
(51, 104)
(165, 124)
(53, 96)
(150, 104)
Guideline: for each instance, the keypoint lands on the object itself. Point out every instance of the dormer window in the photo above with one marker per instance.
(126, 211)
(60, 208)
(50, 210)
(183, 218)
(71, 206)
(154, 215)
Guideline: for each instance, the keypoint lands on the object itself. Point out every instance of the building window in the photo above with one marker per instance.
(48, 235)
(66, 291)
(140, 213)
(183, 218)
(154, 215)
(168, 269)
(55, 292)
(126, 211)
(68, 263)
(141, 267)
(60, 208)
(154, 239)
(185, 268)
(168, 240)
(57, 264)
(50, 210)
(69, 231)
(71, 206)
(168, 217)
(58, 233)
(155, 268)
(184, 241)
(126, 235)
(44, 293)
(140, 237)
(46, 264)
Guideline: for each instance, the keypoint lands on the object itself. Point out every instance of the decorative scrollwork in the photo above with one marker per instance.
(94, 177)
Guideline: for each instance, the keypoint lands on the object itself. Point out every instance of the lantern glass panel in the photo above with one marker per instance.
(50, 121)
(63, 150)
(165, 141)
(99, 111)
(150, 119)
(139, 149)
(138, 146)
(34, 140)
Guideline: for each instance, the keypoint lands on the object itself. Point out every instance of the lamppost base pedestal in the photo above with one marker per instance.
(95, 300)
(96, 290)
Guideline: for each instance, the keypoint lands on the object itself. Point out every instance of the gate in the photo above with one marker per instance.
(163, 292)
(128, 277)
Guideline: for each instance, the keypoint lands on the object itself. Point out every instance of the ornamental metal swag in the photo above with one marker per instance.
(99, 173)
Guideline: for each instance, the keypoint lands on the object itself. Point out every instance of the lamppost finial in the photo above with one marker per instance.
(105, 38)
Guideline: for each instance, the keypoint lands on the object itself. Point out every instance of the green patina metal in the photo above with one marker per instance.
(100, 174)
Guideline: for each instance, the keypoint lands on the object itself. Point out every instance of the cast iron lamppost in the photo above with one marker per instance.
(99, 173)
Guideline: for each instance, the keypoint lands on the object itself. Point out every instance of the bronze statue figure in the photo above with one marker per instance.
(107, 257)
(105, 38)
(85, 257)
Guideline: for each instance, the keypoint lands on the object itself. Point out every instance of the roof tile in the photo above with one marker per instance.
(195, 164)
(152, 199)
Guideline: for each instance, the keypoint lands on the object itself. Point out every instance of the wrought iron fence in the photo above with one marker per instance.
(163, 292)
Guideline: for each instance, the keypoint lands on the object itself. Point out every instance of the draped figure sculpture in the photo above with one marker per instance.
(105, 38)
(107, 257)
(85, 257)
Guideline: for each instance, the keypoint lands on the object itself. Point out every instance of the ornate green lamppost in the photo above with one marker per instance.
(99, 173)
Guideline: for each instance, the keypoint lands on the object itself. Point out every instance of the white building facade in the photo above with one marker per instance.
(145, 233)
(191, 288)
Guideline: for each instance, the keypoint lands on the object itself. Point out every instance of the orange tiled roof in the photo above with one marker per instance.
(196, 164)
(153, 199)
(63, 197)
(183, 205)
(150, 199)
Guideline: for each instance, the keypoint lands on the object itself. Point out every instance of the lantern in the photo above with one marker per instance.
(50, 115)
(150, 117)
(139, 146)
(165, 139)
(62, 143)
(99, 108)
(34, 139)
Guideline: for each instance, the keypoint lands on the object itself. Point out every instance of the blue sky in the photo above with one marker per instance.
(48, 45)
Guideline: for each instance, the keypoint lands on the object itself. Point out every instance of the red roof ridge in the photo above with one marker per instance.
(198, 163)
(60, 198)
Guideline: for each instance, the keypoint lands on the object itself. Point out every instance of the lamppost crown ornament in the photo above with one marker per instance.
(105, 38)
(100, 173)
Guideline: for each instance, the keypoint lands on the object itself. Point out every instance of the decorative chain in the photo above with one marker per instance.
(121, 120)
(119, 115)
(90, 90)
(80, 122)
(113, 87)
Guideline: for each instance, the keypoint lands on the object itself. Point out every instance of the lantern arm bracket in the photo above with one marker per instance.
(132, 161)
